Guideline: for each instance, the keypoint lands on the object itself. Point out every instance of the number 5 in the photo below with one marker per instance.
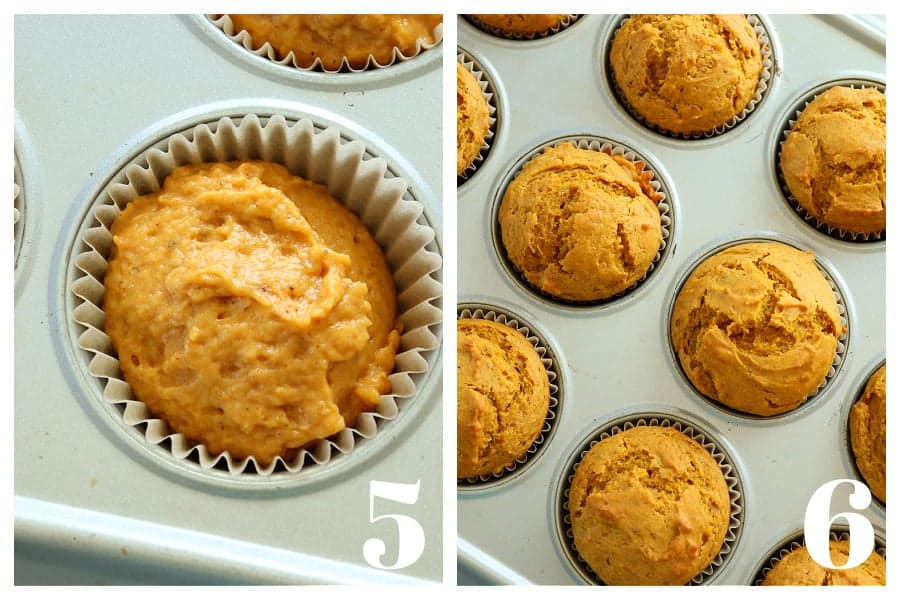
(410, 536)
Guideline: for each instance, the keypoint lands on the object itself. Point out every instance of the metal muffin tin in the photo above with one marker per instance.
(93, 507)
(616, 356)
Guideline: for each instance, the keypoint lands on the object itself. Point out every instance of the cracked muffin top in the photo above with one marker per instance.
(472, 118)
(687, 74)
(868, 432)
(833, 160)
(798, 568)
(756, 327)
(649, 506)
(581, 225)
(503, 394)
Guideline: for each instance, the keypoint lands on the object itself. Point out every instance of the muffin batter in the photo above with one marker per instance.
(250, 310)
(331, 38)
(756, 327)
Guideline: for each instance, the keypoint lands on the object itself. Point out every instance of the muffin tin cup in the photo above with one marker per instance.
(789, 120)
(685, 426)
(18, 210)
(769, 67)
(471, 64)
(264, 49)
(834, 282)
(795, 541)
(666, 206)
(550, 360)
(846, 445)
(362, 181)
(566, 22)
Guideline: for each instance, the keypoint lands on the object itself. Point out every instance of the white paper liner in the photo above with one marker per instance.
(362, 182)
(520, 36)
(732, 479)
(842, 342)
(796, 542)
(598, 144)
(808, 218)
(487, 88)
(548, 359)
(265, 50)
(762, 86)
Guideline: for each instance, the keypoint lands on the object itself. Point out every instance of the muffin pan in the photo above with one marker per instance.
(90, 491)
(617, 360)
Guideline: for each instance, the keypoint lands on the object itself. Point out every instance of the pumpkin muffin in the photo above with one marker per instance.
(334, 38)
(833, 160)
(756, 327)
(521, 24)
(250, 310)
(581, 225)
(686, 74)
(503, 395)
(798, 568)
(472, 118)
(649, 506)
(868, 432)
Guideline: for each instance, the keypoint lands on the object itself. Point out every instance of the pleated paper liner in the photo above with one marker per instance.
(716, 450)
(562, 25)
(473, 310)
(490, 95)
(264, 49)
(354, 176)
(762, 87)
(658, 183)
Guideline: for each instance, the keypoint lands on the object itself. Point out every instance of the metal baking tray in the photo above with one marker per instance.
(91, 505)
(614, 359)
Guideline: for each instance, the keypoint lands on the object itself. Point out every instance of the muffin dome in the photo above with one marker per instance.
(472, 118)
(798, 568)
(868, 433)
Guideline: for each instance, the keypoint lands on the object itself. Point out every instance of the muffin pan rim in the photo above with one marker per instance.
(88, 389)
(783, 123)
(390, 75)
(538, 448)
(632, 415)
(624, 298)
(832, 276)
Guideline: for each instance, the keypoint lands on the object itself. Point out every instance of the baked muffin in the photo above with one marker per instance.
(503, 394)
(472, 118)
(798, 568)
(686, 74)
(250, 310)
(649, 506)
(868, 432)
(581, 225)
(334, 38)
(521, 24)
(833, 160)
(756, 327)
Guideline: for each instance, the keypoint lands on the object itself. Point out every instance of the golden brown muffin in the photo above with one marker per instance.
(472, 118)
(798, 568)
(687, 74)
(833, 160)
(522, 24)
(868, 432)
(332, 38)
(756, 326)
(503, 394)
(581, 225)
(250, 310)
(649, 506)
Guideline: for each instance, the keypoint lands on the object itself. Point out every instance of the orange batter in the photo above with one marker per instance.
(250, 310)
(333, 37)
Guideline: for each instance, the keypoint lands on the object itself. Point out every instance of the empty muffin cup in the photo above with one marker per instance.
(359, 180)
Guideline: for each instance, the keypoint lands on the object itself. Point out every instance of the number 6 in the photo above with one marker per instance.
(410, 536)
(817, 524)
